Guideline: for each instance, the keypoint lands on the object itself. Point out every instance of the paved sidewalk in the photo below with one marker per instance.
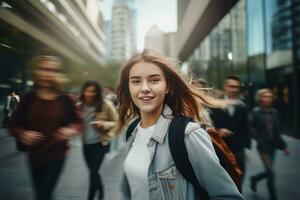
(73, 184)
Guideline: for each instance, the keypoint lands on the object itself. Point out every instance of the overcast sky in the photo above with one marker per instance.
(149, 12)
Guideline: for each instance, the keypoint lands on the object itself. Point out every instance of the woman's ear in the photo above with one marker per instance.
(167, 90)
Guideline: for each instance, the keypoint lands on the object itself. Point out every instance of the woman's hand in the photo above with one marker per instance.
(29, 137)
(99, 125)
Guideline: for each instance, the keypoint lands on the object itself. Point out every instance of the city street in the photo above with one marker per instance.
(63, 61)
(73, 184)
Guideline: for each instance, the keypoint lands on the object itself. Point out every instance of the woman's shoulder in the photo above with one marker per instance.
(197, 138)
(195, 130)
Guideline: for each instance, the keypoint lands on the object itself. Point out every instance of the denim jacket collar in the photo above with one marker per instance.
(161, 127)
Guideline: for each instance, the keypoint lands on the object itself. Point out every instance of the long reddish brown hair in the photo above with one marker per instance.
(182, 97)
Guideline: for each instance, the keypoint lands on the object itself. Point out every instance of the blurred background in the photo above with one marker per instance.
(258, 40)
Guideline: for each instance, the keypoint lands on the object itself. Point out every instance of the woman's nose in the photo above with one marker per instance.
(145, 87)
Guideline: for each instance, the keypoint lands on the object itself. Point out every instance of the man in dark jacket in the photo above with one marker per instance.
(233, 121)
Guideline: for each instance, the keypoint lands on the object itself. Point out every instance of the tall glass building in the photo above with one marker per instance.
(273, 53)
(259, 41)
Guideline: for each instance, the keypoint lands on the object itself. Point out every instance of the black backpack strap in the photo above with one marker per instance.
(131, 127)
(180, 155)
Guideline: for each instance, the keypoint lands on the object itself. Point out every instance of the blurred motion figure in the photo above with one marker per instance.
(266, 124)
(232, 122)
(44, 121)
(100, 118)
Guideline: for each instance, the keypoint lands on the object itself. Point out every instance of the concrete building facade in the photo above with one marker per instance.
(161, 41)
(70, 29)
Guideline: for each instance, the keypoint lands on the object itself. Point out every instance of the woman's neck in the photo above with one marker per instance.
(47, 93)
(149, 119)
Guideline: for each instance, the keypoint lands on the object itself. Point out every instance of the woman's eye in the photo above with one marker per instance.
(154, 80)
(135, 81)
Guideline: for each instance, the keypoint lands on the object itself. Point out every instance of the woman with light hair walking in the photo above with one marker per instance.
(266, 123)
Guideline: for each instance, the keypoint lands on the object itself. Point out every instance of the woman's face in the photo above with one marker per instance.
(89, 94)
(148, 87)
(266, 99)
(46, 73)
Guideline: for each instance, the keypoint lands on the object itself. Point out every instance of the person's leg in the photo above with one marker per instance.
(51, 172)
(88, 153)
(97, 158)
(271, 177)
(94, 154)
(266, 160)
(36, 171)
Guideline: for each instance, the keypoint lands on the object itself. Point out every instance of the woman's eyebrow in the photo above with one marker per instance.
(154, 75)
(150, 76)
(134, 77)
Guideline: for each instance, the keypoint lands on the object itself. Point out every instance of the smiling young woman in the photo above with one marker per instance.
(150, 88)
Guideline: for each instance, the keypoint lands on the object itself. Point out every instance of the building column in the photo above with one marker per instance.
(295, 76)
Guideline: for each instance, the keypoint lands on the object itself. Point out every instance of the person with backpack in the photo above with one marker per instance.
(151, 90)
(266, 124)
(44, 121)
(100, 118)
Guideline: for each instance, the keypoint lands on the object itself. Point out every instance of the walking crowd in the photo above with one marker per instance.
(184, 140)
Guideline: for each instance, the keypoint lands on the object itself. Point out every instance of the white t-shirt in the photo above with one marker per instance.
(137, 163)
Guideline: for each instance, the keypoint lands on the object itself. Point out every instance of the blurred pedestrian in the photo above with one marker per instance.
(110, 95)
(44, 121)
(266, 123)
(100, 117)
(232, 122)
(117, 142)
(150, 88)
(11, 102)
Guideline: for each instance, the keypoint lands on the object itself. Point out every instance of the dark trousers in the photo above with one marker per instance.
(240, 159)
(268, 162)
(44, 176)
(94, 154)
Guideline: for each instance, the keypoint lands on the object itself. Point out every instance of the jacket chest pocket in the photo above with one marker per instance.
(166, 184)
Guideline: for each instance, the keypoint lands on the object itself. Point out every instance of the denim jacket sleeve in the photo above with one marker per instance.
(210, 174)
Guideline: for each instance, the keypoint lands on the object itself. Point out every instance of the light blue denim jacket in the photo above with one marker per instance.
(164, 180)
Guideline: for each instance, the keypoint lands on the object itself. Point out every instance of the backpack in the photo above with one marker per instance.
(21, 120)
(180, 155)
